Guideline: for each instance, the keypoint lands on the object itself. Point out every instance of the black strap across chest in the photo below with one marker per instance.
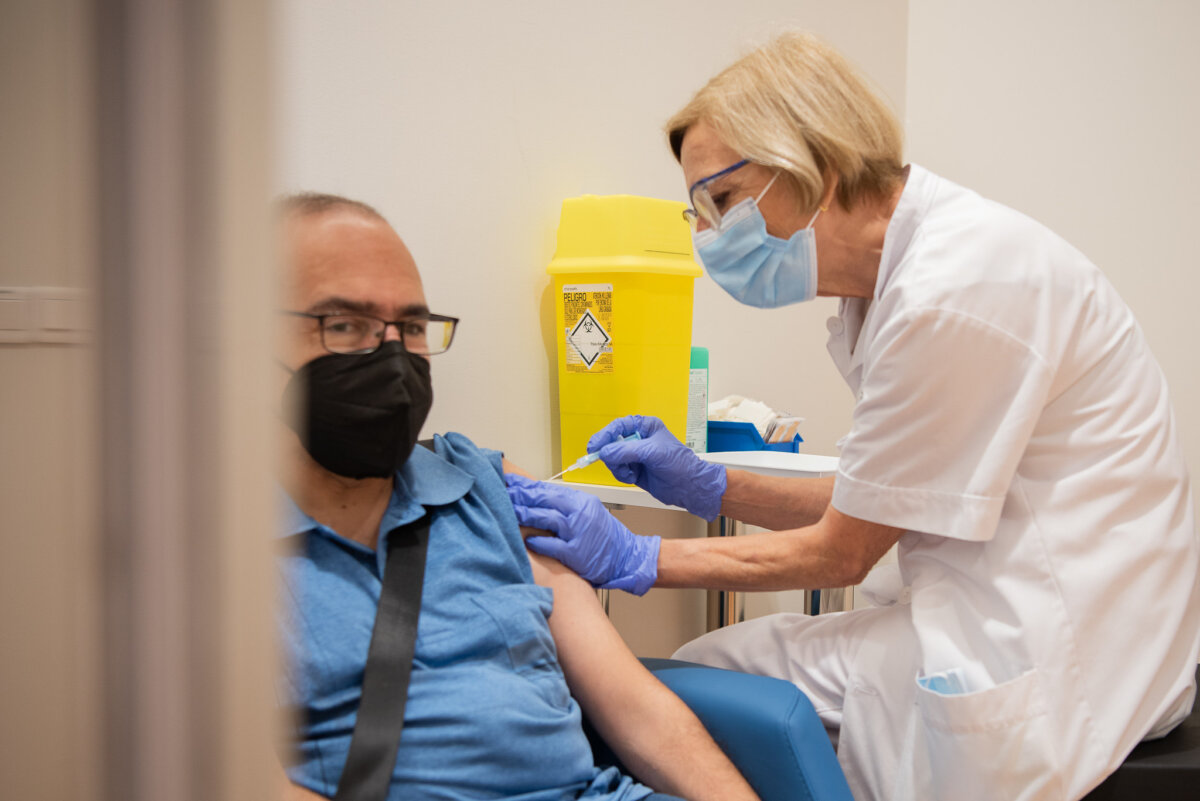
(368, 771)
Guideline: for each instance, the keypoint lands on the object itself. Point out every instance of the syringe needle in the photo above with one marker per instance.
(589, 458)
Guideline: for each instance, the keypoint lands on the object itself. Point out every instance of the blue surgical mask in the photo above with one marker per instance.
(754, 267)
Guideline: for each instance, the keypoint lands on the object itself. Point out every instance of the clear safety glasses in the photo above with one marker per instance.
(710, 197)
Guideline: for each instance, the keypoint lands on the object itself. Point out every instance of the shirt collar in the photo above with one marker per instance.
(917, 195)
(426, 479)
(430, 479)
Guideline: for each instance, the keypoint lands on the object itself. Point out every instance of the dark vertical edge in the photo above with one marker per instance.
(113, 204)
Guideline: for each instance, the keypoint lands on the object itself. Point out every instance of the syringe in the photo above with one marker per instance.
(585, 460)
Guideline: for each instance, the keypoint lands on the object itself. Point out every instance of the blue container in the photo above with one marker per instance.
(731, 435)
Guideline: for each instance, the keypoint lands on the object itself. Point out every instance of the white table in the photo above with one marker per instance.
(726, 607)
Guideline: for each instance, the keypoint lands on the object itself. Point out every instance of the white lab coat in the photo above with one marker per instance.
(1011, 418)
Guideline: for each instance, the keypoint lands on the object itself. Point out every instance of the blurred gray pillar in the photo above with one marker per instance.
(49, 592)
(134, 489)
(184, 298)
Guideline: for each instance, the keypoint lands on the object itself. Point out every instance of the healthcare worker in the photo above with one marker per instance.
(1012, 434)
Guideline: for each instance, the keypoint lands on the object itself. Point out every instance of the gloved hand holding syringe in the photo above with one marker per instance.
(590, 458)
(591, 541)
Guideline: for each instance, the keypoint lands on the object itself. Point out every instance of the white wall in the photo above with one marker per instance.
(1084, 116)
(468, 123)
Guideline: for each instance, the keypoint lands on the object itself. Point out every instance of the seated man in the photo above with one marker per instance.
(506, 643)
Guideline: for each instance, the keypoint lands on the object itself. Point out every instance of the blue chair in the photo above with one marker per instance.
(766, 726)
(769, 729)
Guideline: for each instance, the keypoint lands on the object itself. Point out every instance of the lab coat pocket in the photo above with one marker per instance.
(991, 744)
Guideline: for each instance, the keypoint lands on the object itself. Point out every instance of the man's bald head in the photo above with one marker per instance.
(342, 257)
(304, 204)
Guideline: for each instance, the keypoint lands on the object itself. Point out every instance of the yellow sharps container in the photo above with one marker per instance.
(623, 279)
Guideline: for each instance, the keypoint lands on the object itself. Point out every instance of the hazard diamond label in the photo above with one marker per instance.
(587, 328)
(588, 338)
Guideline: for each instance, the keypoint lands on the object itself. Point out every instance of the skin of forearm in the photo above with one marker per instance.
(775, 502)
(665, 728)
(837, 551)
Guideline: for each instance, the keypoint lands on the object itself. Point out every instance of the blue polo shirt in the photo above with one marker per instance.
(489, 714)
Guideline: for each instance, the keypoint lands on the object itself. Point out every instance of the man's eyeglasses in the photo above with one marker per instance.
(426, 335)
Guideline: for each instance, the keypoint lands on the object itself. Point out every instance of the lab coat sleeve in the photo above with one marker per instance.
(947, 406)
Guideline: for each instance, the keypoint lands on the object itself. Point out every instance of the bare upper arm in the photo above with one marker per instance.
(526, 531)
(509, 467)
(574, 598)
(590, 650)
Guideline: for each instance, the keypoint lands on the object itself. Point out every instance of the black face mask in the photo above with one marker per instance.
(360, 415)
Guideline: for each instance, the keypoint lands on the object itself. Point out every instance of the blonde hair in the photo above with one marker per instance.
(797, 105)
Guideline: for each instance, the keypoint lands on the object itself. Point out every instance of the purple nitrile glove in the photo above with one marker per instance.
(590, 541)
(660, 464)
